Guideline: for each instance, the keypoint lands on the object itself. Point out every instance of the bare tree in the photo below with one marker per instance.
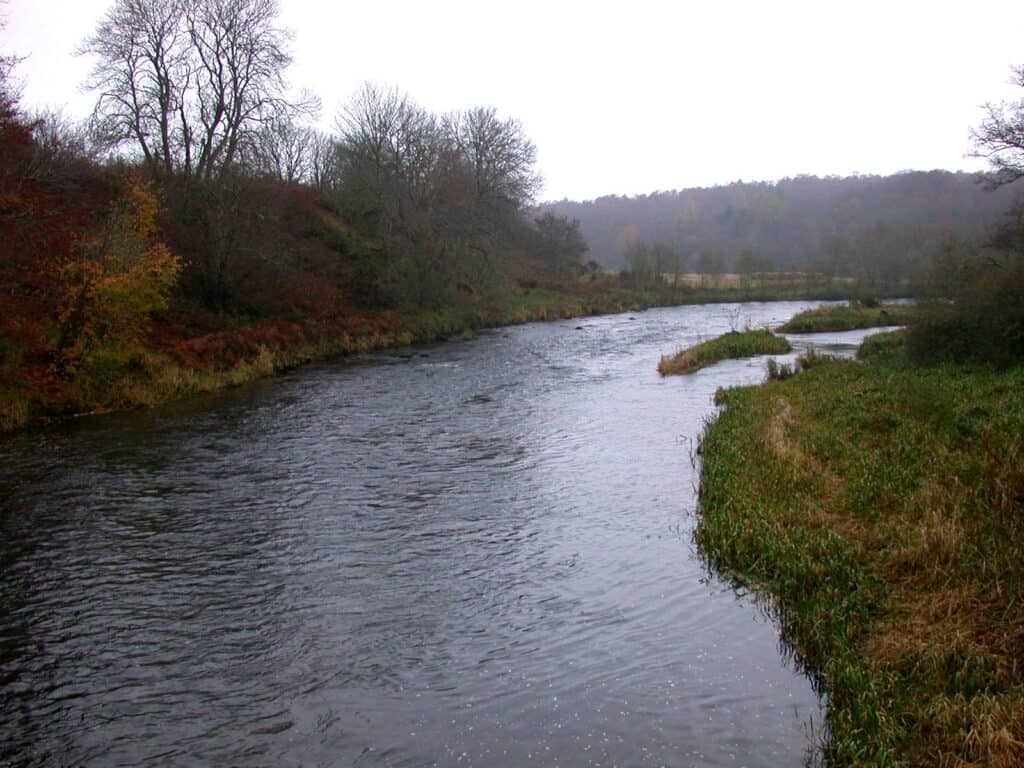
(239, 59)
(8, 93)
(188, 82)
(1000, 137)
(15, 130)
(641, 270)
(140, 72)
(559, 242)
(389, 150)
(284, 150)
(447, 194)
(323, 161)
(499, 155)
(60, 145)
(370, 126)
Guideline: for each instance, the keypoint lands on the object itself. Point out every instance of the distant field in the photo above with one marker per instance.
(734, 280)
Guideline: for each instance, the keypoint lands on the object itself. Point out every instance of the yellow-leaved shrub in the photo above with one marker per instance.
(118, 275)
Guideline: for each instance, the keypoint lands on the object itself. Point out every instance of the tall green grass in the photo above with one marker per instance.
(880, 508)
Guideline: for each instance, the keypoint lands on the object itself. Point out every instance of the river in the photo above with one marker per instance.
(476, 553)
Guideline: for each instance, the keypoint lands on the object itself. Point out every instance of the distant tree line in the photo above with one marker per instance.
(880, 231)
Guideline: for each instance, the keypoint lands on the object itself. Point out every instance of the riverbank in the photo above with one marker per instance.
(220, 353)
(175, 367)
(879, 507)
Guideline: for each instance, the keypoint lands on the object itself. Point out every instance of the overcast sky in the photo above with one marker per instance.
(633, 97)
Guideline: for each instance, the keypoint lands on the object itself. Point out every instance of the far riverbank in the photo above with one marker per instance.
(174, 367)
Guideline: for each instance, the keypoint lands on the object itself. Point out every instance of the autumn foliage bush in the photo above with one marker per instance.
(83, 270)
(114, 278)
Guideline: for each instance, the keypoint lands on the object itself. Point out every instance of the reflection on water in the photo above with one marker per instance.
(479, 554)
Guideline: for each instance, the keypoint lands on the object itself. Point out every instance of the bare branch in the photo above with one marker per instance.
(189, 82)
(1000, 137)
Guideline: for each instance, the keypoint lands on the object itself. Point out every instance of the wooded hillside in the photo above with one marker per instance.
(871, 227)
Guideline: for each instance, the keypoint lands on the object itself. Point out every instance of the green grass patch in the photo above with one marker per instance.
(734, 344)
(848, 317)
(880, 509)
(882, 345)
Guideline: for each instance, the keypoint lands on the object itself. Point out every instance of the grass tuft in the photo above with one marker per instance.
(885, 344)
(812, 358)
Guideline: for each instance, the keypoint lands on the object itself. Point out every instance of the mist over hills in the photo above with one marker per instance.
(832, 225)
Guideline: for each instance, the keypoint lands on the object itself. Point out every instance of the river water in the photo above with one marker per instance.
(477, 553)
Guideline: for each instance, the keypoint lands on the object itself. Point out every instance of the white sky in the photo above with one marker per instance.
(637, 96)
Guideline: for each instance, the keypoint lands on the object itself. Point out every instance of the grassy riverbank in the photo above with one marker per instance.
(173, 367)
(730, 345)
(880, 507)
(190, 354)
(168, 369)
(848, 317)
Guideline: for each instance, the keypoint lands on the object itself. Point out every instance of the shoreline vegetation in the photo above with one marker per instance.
(735, 344)
(232, 356)
(877, 505)
(849, 317)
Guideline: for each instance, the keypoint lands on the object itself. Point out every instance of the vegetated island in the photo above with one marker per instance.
(848, 317)
(880, 506)
(734, 344)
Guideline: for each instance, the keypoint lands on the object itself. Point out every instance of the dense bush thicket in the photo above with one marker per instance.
(979, 317)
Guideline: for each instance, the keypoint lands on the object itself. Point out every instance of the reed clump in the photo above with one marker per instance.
(809, 359)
